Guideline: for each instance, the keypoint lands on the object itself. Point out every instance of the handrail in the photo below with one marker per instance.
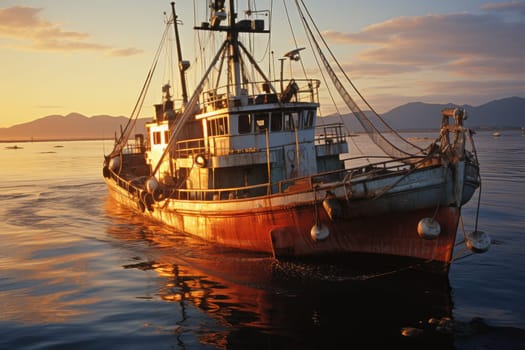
(255, 93)
(374, 169)
(185, 148)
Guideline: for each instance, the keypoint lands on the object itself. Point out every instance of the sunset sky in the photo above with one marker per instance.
(91, 57)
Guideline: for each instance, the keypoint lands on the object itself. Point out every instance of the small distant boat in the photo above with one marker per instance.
(246, 162)
(496, 134)
(14, 147)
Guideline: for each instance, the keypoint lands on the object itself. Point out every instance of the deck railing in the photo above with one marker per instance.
(371, 171)
(298, 90)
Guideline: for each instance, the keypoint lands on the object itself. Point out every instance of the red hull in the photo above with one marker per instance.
(285, 231)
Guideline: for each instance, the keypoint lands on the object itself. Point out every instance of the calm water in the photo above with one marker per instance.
(79, 272)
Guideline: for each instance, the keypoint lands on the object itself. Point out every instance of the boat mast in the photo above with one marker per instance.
(219, 13)
(183, 65)
(233, 37)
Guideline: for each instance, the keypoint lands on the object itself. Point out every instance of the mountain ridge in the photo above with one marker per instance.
(501, 113)
(73, 126)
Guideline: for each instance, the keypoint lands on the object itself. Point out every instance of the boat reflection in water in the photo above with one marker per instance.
(234, 300)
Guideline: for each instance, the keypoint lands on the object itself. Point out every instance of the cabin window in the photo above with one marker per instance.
(223, 126)
(261, 122)
(157, 138)
(307, 119)
(166, 136)
(245, 123)
(296, 120)
(276, 121)
(218, 126)
(288, 122)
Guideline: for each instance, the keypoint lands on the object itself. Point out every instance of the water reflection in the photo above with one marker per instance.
(43, 280)
(236, 300)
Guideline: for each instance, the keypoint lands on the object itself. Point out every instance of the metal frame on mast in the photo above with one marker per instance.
(233, 28)
(233, 37)
(183, 65)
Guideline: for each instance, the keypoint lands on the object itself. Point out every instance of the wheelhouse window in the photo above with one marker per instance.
(245, 123)
(302, 119)
(166, 136)
(157, 138)
(261, 122)
(276, 121)
(290, 120)
(218, 126)
(307, 119)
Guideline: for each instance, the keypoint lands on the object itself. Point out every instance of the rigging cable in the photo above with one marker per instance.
(188, 109)
(366, 123)
(382, 142)
(124, 136)
(293, 35)
(329, 91)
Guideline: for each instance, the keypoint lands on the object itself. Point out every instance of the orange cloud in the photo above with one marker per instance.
(458, 44)
(513, 6)
(124, 52)
(24, 24)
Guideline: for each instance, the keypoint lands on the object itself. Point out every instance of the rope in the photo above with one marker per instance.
(356, 146)
(123, 139)
(316, 210)
(293, 35)
(189, 108)
(410, 171)
(365, 122)
(475, 154)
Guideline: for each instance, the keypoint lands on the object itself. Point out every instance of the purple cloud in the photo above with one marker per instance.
(24, 24)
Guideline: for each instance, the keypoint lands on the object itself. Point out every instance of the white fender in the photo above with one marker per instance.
(477, 241)
(114, 163)
(319, 232)
(428, 228)
(152, 184)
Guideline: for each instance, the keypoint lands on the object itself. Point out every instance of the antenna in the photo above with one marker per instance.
(294, 54)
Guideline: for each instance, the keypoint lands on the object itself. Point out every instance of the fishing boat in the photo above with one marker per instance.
(248, 162)
(14, 147)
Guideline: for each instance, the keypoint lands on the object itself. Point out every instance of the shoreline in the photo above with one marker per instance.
(410, 131)
(56, 140)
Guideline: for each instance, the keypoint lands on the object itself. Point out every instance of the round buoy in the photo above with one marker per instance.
(152, 184)
(200, 160)
(114, 163)
(332, 207)
(319, 232)
(477, 241)
(428, 228)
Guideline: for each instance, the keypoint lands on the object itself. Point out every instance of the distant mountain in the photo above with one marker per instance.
(73, 126)
(504, 113)
(508, 112)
